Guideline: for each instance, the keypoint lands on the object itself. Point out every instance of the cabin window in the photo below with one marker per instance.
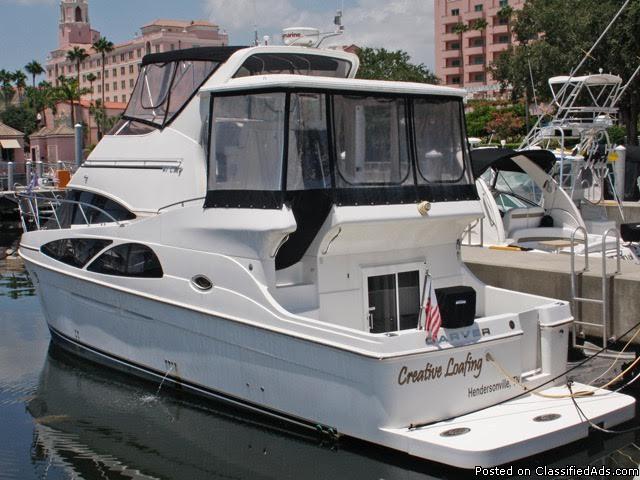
(440, 146)
(371, 141)
(90, 209)
(74, 251)
(294, 64)
(128, 260)
(247, 142)
(308, 161)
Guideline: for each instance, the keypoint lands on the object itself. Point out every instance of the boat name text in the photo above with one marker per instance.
(469, 365)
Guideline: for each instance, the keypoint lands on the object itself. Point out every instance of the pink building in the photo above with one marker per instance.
(11, 145)
(53, 144)
(123, 64)
(462, 58)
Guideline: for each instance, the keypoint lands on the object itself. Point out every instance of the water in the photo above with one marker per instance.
(64, 418)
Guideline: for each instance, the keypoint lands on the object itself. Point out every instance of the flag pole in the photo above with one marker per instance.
(422, 300)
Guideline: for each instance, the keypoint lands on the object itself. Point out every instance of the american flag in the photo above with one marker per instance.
(432, 319)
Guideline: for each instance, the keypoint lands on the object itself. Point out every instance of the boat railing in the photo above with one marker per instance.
(40, 212)
(577, 297)
(28, 173)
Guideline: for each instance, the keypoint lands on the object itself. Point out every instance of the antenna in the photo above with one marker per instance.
(311, 37)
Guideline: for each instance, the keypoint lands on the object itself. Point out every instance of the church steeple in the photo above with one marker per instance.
(74, 26)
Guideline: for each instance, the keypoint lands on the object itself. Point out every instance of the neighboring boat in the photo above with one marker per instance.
(524, 207)
(577, 133)
(263, 228)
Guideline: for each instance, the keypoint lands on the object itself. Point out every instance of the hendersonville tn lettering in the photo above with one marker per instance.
(430, 372)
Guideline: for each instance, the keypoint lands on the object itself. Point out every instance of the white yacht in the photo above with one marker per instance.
(260, 228)
(525, 207)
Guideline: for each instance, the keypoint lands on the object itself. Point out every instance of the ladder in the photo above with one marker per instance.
(604, 301)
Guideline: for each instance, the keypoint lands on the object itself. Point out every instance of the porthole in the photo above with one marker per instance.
(202, 283)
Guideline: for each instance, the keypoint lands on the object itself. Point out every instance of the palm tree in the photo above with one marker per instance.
(34, 69)
(103, 46)
(6, 86)
(506, 12)
(481, 25)
(71, 91)
(460, 28)
(76, 55)
(20, 79)
(91, 78)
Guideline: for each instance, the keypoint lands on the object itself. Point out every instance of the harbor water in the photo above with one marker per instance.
(66, 418)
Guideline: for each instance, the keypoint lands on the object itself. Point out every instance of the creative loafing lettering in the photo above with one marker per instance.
(470, 365)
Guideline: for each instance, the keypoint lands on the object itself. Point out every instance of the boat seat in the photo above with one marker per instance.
(521, 218)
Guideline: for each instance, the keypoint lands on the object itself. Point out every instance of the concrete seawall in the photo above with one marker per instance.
(549, 275)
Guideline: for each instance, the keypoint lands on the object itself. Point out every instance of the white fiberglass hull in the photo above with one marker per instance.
(370, 398)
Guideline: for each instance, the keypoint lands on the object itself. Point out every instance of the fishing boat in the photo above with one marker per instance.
(263, 228)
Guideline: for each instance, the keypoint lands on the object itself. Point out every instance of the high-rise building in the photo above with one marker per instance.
(123, 63)
(469, 36)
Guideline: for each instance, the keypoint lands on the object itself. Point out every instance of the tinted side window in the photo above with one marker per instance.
(72, 214)
(128, 260)
(74, 251)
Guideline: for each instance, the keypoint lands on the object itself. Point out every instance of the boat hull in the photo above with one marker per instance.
(373, 399)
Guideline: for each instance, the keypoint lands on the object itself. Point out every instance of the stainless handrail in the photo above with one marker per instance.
(55, 202)
(604, 301)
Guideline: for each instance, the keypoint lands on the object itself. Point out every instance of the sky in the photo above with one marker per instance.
(28, 28)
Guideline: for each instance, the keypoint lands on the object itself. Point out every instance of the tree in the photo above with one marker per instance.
(20, 80)
(382, 64)
(21, 118)
(103, 46)
(34, 69)
(103, 121)
(460, 28)
(554, 36)
(506, 124)
(70, 91)
(76, 55)
(42, 97)
(506, 13)
(91, 78)
(6, 86)
(481, 25)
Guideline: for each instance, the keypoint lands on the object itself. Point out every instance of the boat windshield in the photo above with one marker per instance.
(390, 148)
(517, 184)
(163, 89)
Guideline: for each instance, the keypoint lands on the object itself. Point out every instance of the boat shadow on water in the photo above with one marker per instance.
(100, 423)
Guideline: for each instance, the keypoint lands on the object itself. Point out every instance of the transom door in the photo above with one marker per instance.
(392, 300)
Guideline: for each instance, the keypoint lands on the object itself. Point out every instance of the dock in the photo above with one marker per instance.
(549, 275)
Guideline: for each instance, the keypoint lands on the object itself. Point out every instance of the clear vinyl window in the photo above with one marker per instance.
(308, 164)
(247, 142)
(371, 141)
(440, 145)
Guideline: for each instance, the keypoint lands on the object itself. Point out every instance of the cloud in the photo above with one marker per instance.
(392, 24)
